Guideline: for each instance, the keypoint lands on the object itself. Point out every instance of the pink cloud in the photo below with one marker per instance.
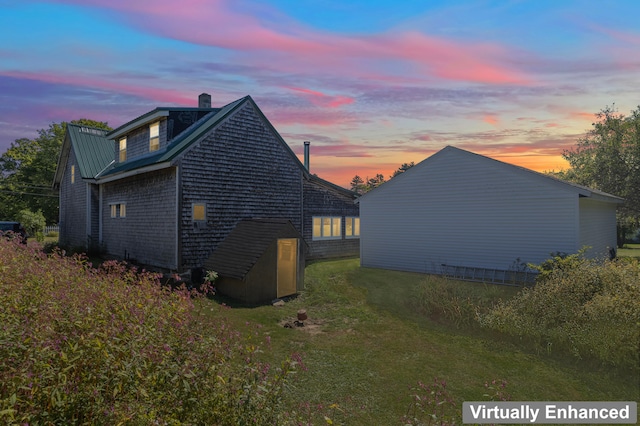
(322, 100)
(102, 82)
(490, 119)
(299, 49)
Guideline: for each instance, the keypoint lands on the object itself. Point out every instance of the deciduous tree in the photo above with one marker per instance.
(27, 169)
(608, 159)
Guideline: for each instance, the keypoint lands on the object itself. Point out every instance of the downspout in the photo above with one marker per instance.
(100, 214)
(178, 219)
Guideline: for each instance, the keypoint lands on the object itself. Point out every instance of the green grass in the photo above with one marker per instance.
(629, 250)
(370, 344)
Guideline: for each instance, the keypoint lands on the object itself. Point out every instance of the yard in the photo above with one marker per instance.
(367, 344)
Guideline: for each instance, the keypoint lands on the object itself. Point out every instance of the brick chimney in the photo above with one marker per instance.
(204, 100)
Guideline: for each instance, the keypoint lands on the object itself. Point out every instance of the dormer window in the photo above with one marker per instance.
(154, 136)
(123, 150)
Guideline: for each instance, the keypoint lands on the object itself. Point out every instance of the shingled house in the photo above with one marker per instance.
(168, 187)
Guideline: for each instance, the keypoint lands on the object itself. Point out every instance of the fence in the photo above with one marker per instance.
(495, 276)
(54, 228)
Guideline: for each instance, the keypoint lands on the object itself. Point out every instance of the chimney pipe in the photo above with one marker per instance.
(204, 100)
(306, 154)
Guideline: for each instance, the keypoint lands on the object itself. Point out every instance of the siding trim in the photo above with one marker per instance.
(177, 218)
(88, 207)
(135, 172)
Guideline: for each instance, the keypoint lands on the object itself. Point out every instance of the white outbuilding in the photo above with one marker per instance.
(457, 209)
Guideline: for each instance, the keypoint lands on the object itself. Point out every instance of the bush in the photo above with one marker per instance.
(80, 345)
(590, 309)
(33, 223)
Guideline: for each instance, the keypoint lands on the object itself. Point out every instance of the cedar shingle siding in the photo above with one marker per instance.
(239, 171)
(148, 232)
(324, 200)
(229, 159)
(73, 212)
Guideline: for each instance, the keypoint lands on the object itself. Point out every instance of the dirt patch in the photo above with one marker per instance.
(311, 326)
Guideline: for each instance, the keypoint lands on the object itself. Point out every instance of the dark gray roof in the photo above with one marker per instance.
(244, 246)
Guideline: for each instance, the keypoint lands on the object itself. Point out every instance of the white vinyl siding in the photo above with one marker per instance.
(597, 227)
(460, 209)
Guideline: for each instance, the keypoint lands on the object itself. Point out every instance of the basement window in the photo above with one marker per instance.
(118, 210)
(154, 137)
(352, 227)
(325, 228)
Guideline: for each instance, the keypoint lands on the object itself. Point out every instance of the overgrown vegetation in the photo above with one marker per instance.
(80, 345)
(588, 308)
(111, 346)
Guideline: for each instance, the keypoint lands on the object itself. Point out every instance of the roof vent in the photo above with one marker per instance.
(204, 100)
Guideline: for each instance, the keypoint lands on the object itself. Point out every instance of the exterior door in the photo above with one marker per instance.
(287, 266)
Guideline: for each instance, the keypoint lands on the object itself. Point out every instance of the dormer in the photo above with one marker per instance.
(153, 131)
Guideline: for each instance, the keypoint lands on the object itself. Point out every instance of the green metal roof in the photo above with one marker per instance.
(180, 143)
(92, 149)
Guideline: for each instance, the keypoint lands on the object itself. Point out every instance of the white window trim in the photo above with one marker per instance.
(122, 151)
(325, 237)
(353, 219)
(154, 136)
(115, 210)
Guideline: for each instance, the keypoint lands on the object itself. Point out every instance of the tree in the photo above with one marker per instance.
(403, 168)
(357, 185)
(27, 169)
(360, 186)
(608, 159)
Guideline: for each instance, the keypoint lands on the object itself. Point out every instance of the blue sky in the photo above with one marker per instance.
(371, 84)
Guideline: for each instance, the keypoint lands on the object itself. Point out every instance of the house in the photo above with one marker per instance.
(259, 261)
(167, 188)
(460, 209)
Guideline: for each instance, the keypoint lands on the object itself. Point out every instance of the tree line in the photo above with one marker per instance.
(607, 158)
(27, 169)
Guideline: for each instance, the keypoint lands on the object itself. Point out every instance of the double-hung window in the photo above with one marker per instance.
(123, 150)
(118, 210)
(327, 228)
(154, 136)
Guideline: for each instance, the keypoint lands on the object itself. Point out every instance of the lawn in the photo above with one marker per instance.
(629, 250)
(366, 344)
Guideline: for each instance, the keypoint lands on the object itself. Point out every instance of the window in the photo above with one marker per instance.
(352, 227)
(118, 210)
(73, 173)
(199, 212)
(154, 136)
(327, 228)
(123, 150)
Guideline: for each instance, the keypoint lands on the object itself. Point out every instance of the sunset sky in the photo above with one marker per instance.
(372, 84)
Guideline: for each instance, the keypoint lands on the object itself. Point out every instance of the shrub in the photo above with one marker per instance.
(33, 223)
(590, 309)
(80, 345)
